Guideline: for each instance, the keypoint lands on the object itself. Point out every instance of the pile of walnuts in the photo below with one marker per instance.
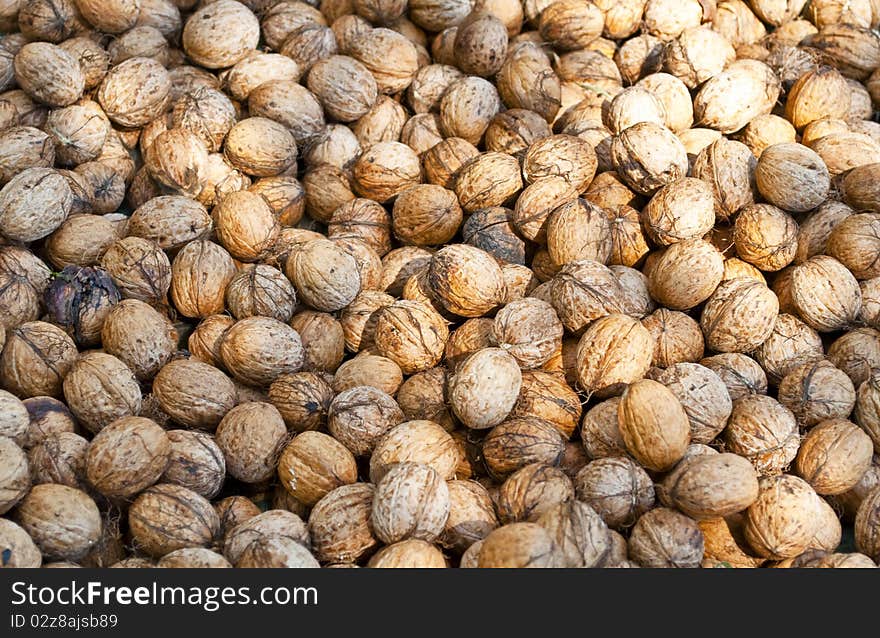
(438, 283)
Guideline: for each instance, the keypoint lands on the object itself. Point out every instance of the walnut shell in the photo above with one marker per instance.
(791, 344)
(358, 418)
(677, 337)
(200, 274)
(471, 515)
(781, 523)
(816, 391)
(261, 147)
(258, 350)
(81, 240)
(308, 268)
(617, 488)
(303, 400)
(485, 388)
(33, 204)
(833, 456)
(531, 491)
(139, 336)
(346, 88)
(666, 538)
(220, 35)
(127, 456)
(653, 424)
(583, 291)
(195, 462)
(339, 524)
(423, 397)
(467, 107)
(521, 441)
(739, 316)
(135, 92)
(792, 177)
(736, 96)
(648, 156)
(48, 73)
(711, 486)
(426, 215)
(171, 221)
(193, 393)
(765, 236)
(703, 396)
(313, 465)
(63, 522)
(251, 436)
(36, 358)
(519, 545)
(615, 350)
(825, 293)
(867, 539)
(99, 389)
(15, 480)
(204, 342)
(17, 547)
(742, 375)
(24, 147)
(166, 517)
(466, 280)
(410, 501)
(685, 274)
(763, 431)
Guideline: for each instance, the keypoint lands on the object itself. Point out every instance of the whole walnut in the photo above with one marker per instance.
(48, 73)
(177, 159)
(220, 35)
(792, 177)
(614, 351)
(765, 236)
(782, 522)
(518, 442)
(791, 344)
(260, 147)
(167, 517)
(193, 393)
(340, 524)
(24, 147)
(15, 479)
(19, 549)
(825, 293)
(203, 342)
(46, 416)
(680, 210)
(171, 221)
(426, 215)
(251, 436)
(411, 501)
(309, 266)
(33, 204)
(711, 486)
(62, 521)
(79, 300)
(200, 273)
(81, 240)
(484, 388)
(345, 87)
(531, 491)
(303, 400)
(261, 290)
(730, 100)
(423, 397)
(664, 537)
(816, 391)
(617, 488)
(99, 389)
(648, 156)
(739, 316)
(519, 545)
(36, 358)
(471, 515)
(135, 92)
(358, 417)
(195, 462)
(529, 330)
(127, 456)
(313, 465)
(763, 431)
(467, 107)
(467, 281)
(685, 274)
(833, 456)
(257, 350)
